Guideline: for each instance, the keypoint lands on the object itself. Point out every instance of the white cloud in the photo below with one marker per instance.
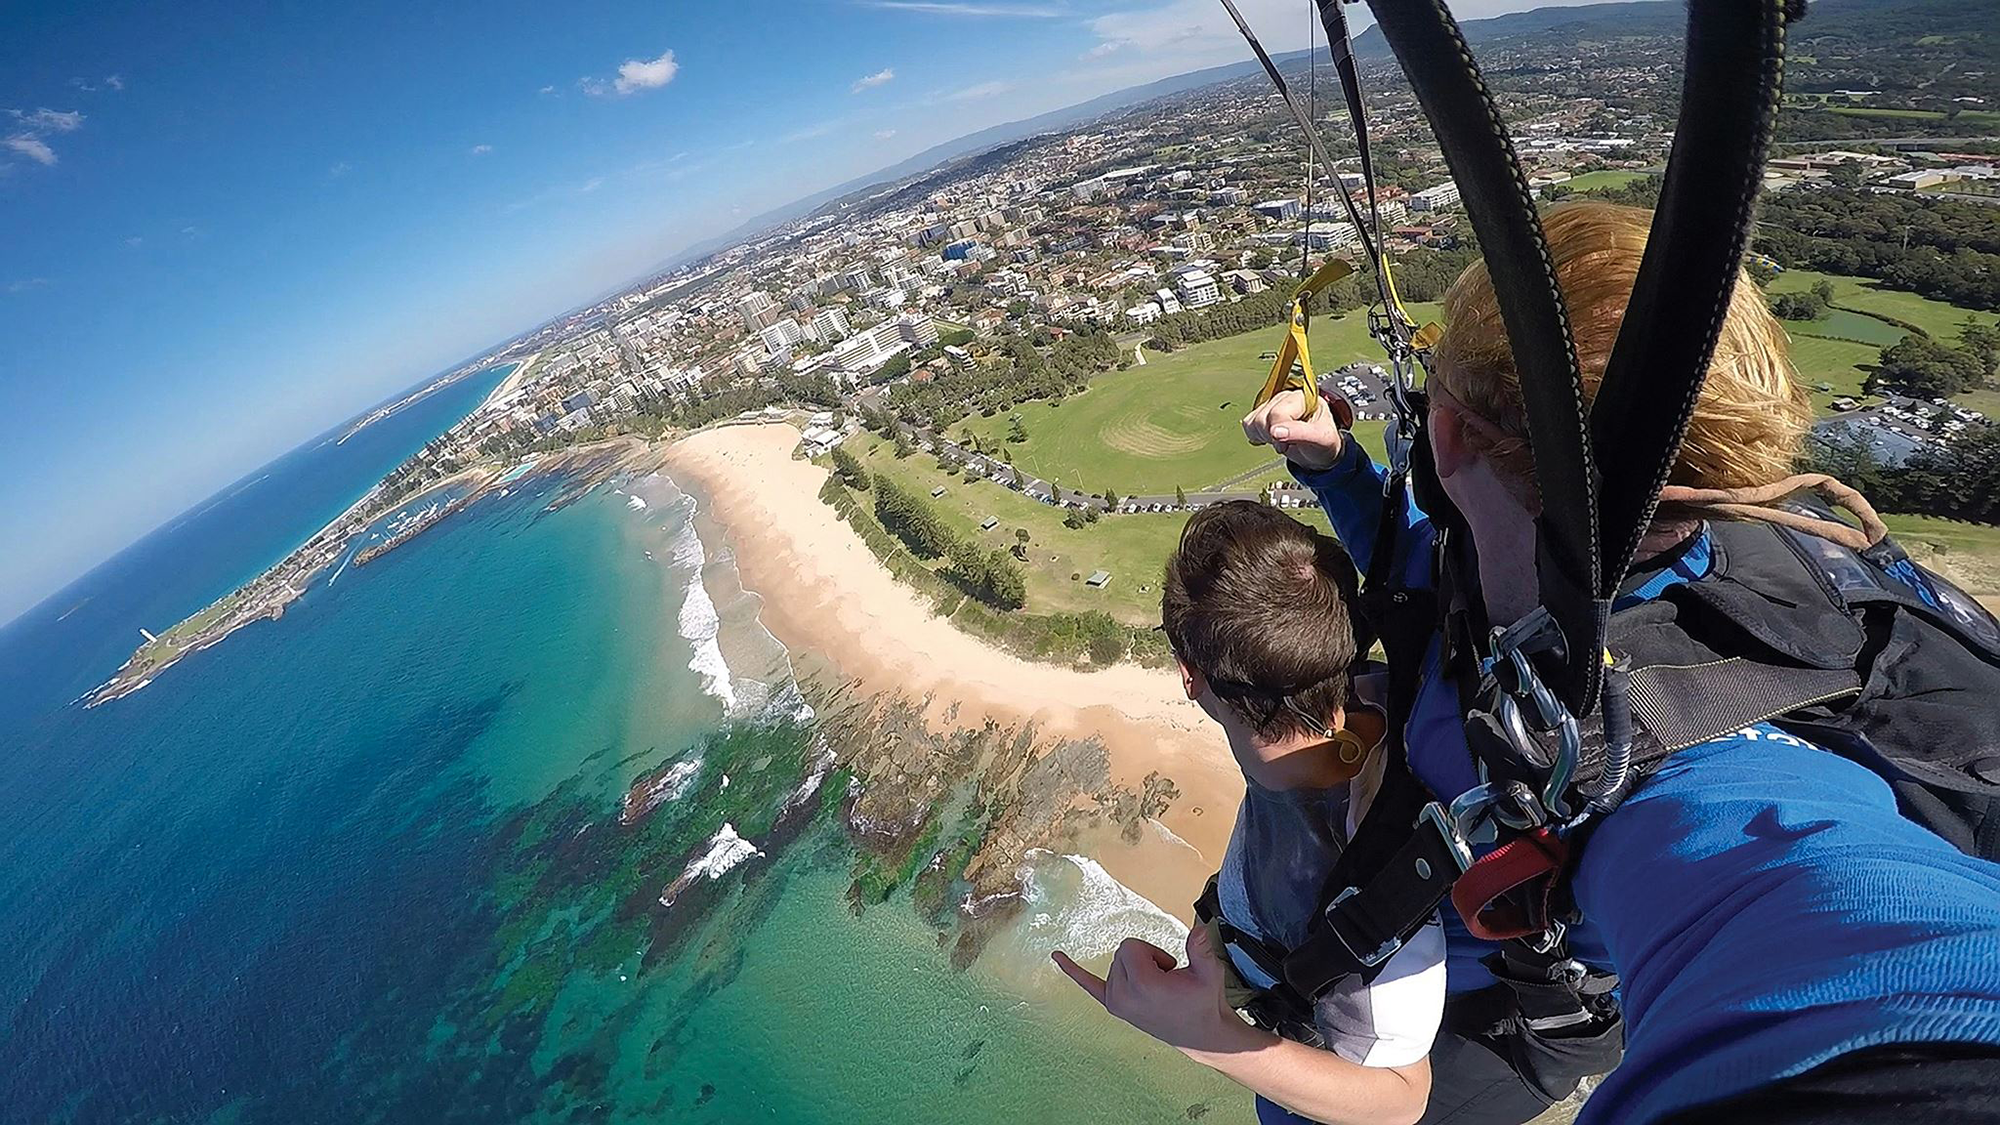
(481, 150)
(590, 185)
(884, 134)
(634, 76)
(115, 82)
(340, 168)
(33, 126)
(135, 242)
(972, 10)
(46, 120)
(1107, 47)
(809, 132)
(979, 92)
(547, 91)
(871, 81)
(26, 283)
(32, 147)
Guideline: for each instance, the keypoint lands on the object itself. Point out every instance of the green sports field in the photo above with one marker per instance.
(1603, 178)
(1174, 421)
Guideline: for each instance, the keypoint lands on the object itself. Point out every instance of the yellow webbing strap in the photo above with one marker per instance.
(1295, 347)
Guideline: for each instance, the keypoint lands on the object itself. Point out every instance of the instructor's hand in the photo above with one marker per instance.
(1311, 443)
(1182, 1008)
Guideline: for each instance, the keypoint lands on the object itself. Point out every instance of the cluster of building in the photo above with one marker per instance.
(1169, 207)
(1895, 166)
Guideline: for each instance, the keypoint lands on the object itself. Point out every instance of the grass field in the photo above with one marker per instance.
(1836, 363)
(1603, 178)
(1864, 295)
(1173, 422)
(1132, 547)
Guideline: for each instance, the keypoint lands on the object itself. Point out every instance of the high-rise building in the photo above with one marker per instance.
(759, 311)
(782, 336)
(831, 324)
(919, 331)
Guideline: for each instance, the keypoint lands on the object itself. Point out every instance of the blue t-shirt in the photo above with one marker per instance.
(1764, 904)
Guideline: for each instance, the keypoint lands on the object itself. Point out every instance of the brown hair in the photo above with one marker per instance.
(1750, 422)
(1259, 603)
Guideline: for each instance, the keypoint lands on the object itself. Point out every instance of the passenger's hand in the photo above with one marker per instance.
(1310, 443)
(1181, 1007)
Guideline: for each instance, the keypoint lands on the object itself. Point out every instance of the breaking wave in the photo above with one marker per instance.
(1073, 904)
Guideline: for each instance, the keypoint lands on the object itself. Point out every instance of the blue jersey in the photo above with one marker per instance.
(1763, 903)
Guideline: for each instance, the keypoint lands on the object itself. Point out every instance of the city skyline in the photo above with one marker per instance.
(219, 248)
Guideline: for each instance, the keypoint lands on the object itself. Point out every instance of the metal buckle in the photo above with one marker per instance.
(1477, 811)
(1521, 681)
(1435, 817)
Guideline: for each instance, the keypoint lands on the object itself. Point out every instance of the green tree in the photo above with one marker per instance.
(1110, 498)
(1006, 584)
(1180, 497)
(1017, 431)
(1797, 306)
(911, 520)
(849, 469)
(1982, 342)
(903, 447)
(1921, 366)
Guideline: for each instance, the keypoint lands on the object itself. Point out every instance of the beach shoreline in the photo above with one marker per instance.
(825, 596)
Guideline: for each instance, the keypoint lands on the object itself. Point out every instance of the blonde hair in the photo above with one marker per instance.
(1751, 419)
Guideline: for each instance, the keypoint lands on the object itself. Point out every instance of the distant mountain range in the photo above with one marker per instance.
(988, 138)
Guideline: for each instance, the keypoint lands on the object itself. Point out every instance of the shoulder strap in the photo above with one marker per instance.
(1469, 129)
(1729, 103)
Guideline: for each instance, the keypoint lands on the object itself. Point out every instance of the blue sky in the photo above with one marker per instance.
(225, 227)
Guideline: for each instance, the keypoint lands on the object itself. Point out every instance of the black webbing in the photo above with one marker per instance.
(1467, 124)
(1729, 105)
(1333, 17)
(1305, 122)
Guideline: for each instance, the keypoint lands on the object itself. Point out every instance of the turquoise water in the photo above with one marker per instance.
(366, 863)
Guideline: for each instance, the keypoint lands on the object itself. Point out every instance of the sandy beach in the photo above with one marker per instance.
(823, 592)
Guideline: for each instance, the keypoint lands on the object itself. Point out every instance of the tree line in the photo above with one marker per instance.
(1945, 249)
(990, 576)
(1017, 372)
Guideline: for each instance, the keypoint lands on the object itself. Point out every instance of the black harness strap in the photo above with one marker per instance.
(1468, 126)
(1735, 61)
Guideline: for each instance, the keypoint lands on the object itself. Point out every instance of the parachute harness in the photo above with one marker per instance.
(1531, 684)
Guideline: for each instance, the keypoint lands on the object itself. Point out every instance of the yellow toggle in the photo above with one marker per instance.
(1295, 347)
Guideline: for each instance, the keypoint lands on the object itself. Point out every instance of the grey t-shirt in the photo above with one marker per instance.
(1280, 853)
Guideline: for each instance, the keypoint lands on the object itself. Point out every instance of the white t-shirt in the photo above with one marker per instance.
(1279, 856)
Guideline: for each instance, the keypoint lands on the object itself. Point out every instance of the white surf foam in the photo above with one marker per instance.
(636, 503)
(725, 850)
(1076, 906)
(699, 622)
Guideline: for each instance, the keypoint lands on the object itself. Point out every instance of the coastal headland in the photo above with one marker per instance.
(267, 596)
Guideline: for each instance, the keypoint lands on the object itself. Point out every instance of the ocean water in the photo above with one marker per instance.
(375, 861)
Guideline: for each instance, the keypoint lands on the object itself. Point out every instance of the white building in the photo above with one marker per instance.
(782, 336)
(1198, 289)
(918, 331)
(831, 324)
(759, 311)
(1435, 198)
(1143, 314)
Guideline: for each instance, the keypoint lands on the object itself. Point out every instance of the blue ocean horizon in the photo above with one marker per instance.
(372, 861)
